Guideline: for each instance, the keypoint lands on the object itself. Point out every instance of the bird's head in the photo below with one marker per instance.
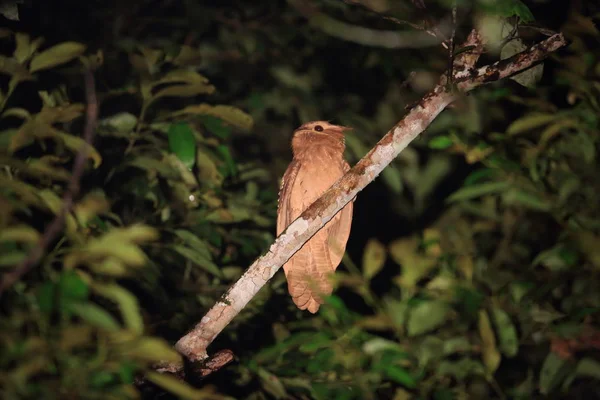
(320, 133)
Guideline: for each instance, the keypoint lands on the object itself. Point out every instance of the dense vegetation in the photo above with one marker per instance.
(473, 265)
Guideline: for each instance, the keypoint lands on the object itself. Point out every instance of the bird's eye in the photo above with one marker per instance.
(319, 128)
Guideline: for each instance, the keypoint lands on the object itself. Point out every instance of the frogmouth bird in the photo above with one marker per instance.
(318, 162)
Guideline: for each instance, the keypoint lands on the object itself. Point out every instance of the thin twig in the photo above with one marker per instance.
(451, 44)
(56, 225)
(390, 39)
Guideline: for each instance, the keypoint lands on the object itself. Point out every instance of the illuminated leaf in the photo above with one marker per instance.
(554, 371)
(198, 258)
(120, 243)
(478, 190)
(194, 241)
(586, 368)
(490, 354)
(427, 316)
(150, 349)
(272, 384)
(127, 302)
(232, 115)
(12, 258)
(56, 55)
(507, 333)
(95, 315)
(180, 388)
(19, 233)
(75, 144)
(55, 204)
(530, 122)
(374, 256)
(415, 265)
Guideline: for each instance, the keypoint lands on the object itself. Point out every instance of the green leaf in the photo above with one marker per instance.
(459, 344)
(473, 192)
(440, 142)
(469, 300)
(426, 316)
(10, 67)
(530, 122)
(415, 265)
(182, 75)
(185, 90)
(229, 162)
(526, 199)
(55, 204)
(272, 384)
(72, 287)
(75, 144)
(22, 48)
(101, 379)
(25, 47)
(461, 369)
(318, 341)
(507, 332)
(400, 375)
(392, 178)
(479, 175)
(553, 372)
(489, 352)
(193, 241)
(122, 122)
(95, 315)
(12, 258)
(374, 256)
(111, 267)
(587, 367)
(198, 258)
(153, 165)
(229, 114)
(56, 55)
(151, 349)
(430, 350)
(19, 233)
(378, 345)
(180, 388)
(216, 126)
(509, 8)
(183, 143)
(120, 243)
(127, 302)
(46, 297)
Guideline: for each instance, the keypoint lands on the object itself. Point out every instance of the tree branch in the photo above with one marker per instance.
(56, 225)
(194, 344)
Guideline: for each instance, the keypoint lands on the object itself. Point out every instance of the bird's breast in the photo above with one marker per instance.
(318, 170)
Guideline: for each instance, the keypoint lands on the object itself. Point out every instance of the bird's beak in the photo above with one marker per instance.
(346, 128)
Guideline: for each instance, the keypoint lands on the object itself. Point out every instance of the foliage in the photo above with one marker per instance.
(478, 248)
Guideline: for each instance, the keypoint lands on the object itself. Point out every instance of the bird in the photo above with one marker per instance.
(317, 163)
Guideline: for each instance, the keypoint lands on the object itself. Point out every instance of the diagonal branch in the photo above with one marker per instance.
(194, 344)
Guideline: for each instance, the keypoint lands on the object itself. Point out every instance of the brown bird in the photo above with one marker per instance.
(318, 162)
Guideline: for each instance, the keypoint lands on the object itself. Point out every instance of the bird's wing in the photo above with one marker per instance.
(308, 270)
(338, 229)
